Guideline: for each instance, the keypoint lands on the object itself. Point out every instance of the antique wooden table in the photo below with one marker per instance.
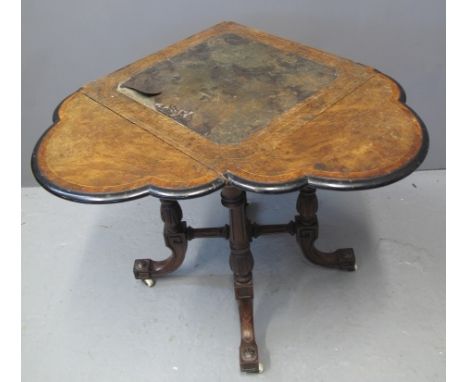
(235, 109)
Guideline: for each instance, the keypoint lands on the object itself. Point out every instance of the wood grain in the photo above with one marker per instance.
(93, 150)
(354, 132)
(367, 134)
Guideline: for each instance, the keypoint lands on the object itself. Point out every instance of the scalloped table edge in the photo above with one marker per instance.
(231, 179)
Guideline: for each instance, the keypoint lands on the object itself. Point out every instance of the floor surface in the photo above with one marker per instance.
(85, 318)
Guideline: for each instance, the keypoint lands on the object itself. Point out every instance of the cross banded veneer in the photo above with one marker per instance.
(232, 109)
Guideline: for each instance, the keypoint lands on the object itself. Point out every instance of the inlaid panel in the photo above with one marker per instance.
(228, 87)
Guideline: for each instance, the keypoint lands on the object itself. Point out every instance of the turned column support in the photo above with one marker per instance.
(241, 262)
(176, 236)
(240, 232)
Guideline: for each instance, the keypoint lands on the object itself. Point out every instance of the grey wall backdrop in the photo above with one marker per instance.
(68, 43)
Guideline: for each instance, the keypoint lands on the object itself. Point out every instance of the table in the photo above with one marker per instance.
(233, 109)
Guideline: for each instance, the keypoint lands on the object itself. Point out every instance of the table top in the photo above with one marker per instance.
(230, 105)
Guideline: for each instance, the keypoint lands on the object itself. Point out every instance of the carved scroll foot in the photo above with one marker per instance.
(241, 263)
(342, 258)
(175, 238)
(306, 224)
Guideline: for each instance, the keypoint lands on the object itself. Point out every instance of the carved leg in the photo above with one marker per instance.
(307, 233)
(241, 263)
(175, 238)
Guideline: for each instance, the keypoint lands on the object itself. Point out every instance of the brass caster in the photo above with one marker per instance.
(149, 282)
(254, 369)
(260, 368)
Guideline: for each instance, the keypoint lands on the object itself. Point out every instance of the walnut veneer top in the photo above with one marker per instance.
(229, 105)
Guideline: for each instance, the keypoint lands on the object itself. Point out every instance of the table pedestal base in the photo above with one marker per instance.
(240, 232)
